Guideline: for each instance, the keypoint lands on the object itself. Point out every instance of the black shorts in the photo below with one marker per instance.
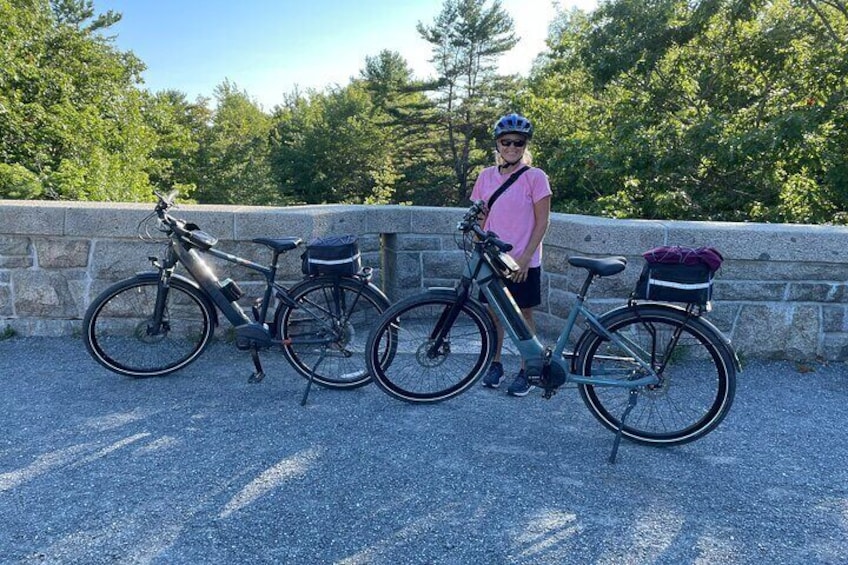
(527, 294)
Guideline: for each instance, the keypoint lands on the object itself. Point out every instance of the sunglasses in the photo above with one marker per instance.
(509, 142)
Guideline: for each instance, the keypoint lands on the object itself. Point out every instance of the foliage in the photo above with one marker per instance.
(327, 149)
(701, 109)
(713, 110)
(70, 112)
(18, 182)
(467, 38)
(183, 131)
(235, 158)
(411, 123)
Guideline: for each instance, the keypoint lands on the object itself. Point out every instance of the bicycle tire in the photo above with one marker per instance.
(410, 374)
(698, 378)
(345, 319)
(115, 327)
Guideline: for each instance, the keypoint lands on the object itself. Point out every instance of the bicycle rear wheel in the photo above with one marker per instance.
(697, 373)
(418, 373)
(119, 334)
(324, 337)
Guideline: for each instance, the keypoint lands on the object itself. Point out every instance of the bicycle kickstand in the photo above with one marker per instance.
(259, 374)
(631, 402)
(312, 376)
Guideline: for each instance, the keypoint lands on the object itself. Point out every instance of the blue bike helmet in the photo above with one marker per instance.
(513, 123)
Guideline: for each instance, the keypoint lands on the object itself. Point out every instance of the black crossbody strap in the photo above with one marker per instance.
(507, 183)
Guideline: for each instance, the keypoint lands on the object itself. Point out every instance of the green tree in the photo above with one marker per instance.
(410, 121)
(235, 159)
(184, 132)
(566, 114)
(327, 148)
(714, 110)
(468, 37)
(70, 111)
(81, 15)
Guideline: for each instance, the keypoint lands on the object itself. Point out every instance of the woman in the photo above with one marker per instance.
(520, 216)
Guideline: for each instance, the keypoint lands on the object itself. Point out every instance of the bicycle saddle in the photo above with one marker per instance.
(279, 244)
(602, 267)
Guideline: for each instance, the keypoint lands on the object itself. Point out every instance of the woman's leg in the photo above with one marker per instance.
(531, 323)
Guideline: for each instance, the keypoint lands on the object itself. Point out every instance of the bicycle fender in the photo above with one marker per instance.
(154, 276)
(606, 318)
(451, 292)
(376, 289)
(470, 300)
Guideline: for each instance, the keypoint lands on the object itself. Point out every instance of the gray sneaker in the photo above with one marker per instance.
(493, 378)
(519, 386)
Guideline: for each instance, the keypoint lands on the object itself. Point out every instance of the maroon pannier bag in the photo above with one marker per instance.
(678, 274)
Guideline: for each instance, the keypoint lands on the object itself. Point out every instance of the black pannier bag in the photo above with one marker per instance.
(332, 255)
(678, 274)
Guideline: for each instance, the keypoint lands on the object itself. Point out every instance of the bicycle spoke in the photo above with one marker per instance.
(120, 333)
(694, 391)
(325, 335)
(423, 370)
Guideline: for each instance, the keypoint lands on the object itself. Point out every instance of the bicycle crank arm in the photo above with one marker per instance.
(253, 335)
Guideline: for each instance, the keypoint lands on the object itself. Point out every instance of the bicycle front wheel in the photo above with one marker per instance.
(120, 334)
(324, 336)
(696, 368)
(419, 370)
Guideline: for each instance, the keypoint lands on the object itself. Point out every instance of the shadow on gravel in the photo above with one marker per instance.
(204, 467)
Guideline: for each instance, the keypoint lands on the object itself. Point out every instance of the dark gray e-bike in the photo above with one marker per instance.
(158, 322)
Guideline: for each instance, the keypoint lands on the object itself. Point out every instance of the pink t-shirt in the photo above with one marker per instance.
(512, 217)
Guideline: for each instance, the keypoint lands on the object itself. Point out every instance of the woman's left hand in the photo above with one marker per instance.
(523, 268)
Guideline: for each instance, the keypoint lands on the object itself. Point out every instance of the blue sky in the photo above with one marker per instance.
(271, 47)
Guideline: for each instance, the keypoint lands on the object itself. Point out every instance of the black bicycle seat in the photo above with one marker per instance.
(602, 267)
(279, 244)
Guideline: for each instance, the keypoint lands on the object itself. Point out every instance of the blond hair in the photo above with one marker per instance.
(526, 158)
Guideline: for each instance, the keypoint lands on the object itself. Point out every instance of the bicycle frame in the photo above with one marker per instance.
(203, 275)
(630, 354)
(536, 355)
(255, 331)
(201, 272)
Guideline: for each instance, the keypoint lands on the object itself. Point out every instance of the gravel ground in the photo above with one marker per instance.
(203, 467)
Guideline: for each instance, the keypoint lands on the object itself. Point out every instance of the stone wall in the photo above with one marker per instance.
(781, 292)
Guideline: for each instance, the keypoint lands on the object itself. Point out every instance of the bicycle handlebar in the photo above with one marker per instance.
(471, 223)
(164, 203)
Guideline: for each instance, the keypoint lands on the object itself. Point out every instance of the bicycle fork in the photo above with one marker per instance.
(440, 336)
(158, 323)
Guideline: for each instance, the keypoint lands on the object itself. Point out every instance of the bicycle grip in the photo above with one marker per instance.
(492, 238)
